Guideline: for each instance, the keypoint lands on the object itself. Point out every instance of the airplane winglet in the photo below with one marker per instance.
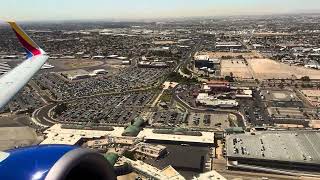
(29, 45)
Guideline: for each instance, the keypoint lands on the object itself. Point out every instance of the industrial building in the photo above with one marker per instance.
(283, 152)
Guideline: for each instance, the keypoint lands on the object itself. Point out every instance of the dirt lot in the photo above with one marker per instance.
(68, 64)
(269, 69)
(81, 63)
(218, 55)
(237, 67)
(16, 136)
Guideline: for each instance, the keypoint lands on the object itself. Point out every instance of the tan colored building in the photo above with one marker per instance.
(150, 150)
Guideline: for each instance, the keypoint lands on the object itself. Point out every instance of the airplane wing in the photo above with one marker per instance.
(12, 82)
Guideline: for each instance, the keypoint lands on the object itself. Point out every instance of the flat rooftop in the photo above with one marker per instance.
(57, 135)
(279, 95)
(289, 146)
(207, 137)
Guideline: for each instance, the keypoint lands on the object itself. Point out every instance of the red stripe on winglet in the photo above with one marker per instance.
(28, 46)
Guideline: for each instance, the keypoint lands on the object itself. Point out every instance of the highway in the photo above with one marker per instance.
(188, 57)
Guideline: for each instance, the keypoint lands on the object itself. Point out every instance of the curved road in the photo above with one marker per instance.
(41, 115)
(240, 119)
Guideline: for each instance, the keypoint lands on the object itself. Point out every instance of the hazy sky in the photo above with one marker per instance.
(114, 9)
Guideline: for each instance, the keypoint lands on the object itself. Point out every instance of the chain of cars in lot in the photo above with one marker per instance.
(27, 101)
(128, 79)
(104, 109)
(169, 118)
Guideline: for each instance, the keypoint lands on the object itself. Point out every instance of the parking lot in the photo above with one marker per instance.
(127, 79)
(26, 100)
(209, 120)
(105, 109)
(254, 110)
(168, 118)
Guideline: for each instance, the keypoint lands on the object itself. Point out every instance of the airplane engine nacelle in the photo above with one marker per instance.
(54, 162)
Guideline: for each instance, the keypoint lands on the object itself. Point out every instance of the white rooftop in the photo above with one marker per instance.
(211, 175)
(57, 135)
(207, 137)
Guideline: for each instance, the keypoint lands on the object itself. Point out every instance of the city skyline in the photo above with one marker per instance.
(144, 9)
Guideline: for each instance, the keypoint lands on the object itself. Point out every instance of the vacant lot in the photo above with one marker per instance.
(68, 64)
(237, 67)
(269, 69)
(219, 55)
(11, 137)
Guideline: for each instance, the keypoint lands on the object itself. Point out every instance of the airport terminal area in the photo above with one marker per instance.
(201, 98)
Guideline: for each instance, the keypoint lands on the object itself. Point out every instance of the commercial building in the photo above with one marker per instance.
(313, 96)
(99, 71)
(283, 152)
(177, 136)
(215, 85)
(244, 93)
(312, 64)
(82, 74)
(98, 57)
(228, 46)
(150, 172)
(47, 66)
(59, 135)
(148, 64)
(109, 140)
(151, 150)
(126, 62)
(76, 74)
(204, 62)
(210, 101)
(211, 175)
